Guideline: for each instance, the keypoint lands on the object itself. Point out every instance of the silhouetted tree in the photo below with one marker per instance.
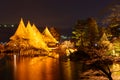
(113, 17)
(55, 33)
(100, 63)
(112, 20)
(93, 34)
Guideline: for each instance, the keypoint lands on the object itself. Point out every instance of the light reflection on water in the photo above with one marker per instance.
(37, 68)
(15, 66)
(45, 68)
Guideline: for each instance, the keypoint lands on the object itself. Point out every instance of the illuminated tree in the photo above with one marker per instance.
(80, 33)
(85, 32)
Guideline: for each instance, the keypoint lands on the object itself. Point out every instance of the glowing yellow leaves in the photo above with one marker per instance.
(30, 34)
(48, 36)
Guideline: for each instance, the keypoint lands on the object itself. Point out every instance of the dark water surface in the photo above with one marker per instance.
(43, 68)
(38, 68)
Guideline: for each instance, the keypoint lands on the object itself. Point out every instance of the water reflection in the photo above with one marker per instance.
(70, 70)
(15, 66)
(38, 68)
(67, 71)
(45, 68)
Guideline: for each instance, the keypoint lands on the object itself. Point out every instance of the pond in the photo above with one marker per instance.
(44, 68)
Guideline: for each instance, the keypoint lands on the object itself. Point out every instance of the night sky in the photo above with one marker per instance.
(58, 13)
